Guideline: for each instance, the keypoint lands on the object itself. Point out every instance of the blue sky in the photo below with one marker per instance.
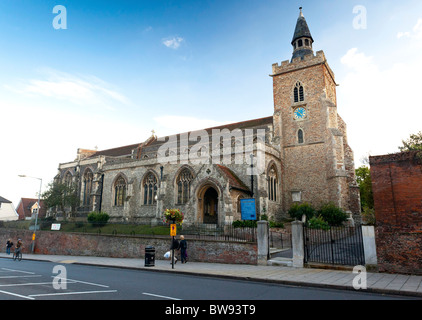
(124, 68)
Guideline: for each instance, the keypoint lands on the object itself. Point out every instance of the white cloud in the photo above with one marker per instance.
(415, 34)
(379, 104)
(79, 89)
(173, 43)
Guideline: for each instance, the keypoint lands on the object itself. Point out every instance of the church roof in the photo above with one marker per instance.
(234, 180)
(302, 29)
(153, 144)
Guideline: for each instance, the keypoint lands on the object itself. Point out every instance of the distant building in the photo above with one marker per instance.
(7, 210)
(301, 154)
(26, 206)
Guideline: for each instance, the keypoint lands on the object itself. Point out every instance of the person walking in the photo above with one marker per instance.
(9, 244)
(183, 247)
(175, 245)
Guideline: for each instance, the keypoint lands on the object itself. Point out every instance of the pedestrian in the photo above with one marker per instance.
(175, 245)
(183, 247)
(9, 244)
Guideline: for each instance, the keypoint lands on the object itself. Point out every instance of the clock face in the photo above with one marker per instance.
(299, 113)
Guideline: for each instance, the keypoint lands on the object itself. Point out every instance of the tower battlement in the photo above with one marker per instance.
(300, 63)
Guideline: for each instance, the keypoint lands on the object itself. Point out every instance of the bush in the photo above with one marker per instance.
(368, 215)
(318, 223)
(332, 214)
(98, 218)
(296, 211)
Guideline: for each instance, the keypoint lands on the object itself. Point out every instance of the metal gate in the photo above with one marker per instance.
(338, 245)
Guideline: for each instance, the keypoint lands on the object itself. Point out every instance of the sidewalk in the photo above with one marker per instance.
(396, 284)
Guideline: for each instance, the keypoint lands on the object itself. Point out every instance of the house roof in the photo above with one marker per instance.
(3, 200)
(25, 205)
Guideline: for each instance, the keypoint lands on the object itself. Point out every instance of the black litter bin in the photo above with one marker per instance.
(149, 256)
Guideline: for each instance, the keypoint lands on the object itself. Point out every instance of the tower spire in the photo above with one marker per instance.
(302, 38)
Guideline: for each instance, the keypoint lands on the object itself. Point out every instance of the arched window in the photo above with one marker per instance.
(68, 179)
(119, 191)
(87, 187)
(150, 189)
(183, 186)
(272, 183)
(300, 136)
(298, 92)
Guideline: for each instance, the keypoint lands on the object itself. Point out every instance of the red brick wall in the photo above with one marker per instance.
(397, 189)
(78, 244)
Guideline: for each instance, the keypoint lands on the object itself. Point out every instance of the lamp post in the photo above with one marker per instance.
(38, 209)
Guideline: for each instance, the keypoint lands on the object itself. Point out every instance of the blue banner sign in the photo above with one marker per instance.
(248, 209)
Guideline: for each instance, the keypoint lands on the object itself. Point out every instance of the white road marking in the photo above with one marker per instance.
(29, 284)
(10, 277)
(16, 295)
(6, 269)
(90, 283)
(68, 293)
(159, 296)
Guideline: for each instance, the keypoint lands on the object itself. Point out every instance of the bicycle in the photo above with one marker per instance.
(17, 255)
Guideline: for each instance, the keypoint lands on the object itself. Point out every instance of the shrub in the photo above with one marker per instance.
(368, 216)
(318, 223)
(98, 218)
(296, 211)
(332, 214)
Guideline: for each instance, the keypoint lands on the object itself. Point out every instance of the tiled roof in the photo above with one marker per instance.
(234, 180)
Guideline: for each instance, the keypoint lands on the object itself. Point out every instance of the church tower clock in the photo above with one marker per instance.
(316, 158)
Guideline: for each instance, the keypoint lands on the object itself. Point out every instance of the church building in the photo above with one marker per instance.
(298, 154)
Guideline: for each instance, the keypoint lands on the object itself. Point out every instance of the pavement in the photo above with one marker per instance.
(384, 283)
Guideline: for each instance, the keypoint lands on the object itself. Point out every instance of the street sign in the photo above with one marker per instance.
(173, 230)
(55, 226)
(248, 209)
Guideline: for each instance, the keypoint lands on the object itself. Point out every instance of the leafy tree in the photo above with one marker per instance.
(414, 143)
(61, 195)
(363, 178)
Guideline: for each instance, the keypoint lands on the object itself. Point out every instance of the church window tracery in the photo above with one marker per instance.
(183, 186)
(298, 92)
(87, 187)
(119, 191)
(272, 183)
(300, 136)
(150, 189)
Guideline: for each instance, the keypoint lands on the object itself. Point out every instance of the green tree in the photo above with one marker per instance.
(363, 178)
(414, 143)
(61, 195)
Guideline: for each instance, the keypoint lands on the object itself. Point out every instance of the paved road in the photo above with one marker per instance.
(38, 280)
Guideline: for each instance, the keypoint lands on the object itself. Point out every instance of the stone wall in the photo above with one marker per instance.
(397, 188)
(78, 244)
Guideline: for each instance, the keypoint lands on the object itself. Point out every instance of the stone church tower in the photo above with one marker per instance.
(317, 161)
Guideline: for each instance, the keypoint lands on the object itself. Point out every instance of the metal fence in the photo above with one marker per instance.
(338, 245)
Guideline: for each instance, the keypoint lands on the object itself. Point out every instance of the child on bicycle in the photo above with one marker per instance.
(19, 246)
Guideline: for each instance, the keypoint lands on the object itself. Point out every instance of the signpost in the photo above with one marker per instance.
(248, 209)
(173, 232)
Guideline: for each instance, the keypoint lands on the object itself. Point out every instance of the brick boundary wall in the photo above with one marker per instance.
(397, 188)
(79, 244)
